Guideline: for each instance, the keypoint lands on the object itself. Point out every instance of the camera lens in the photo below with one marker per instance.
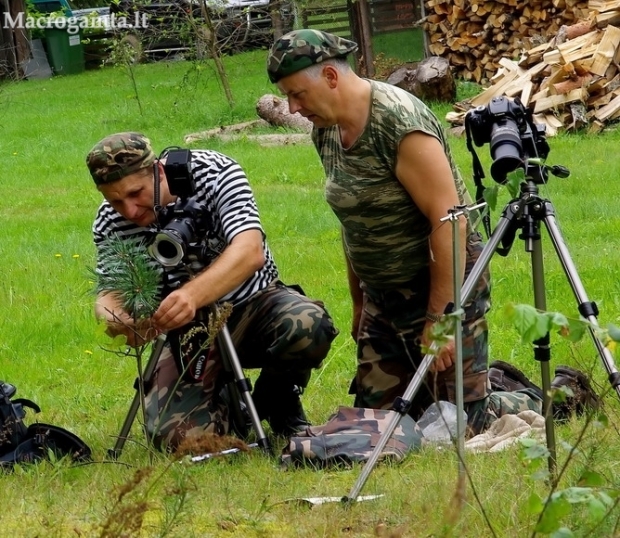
(170, 244)
(506, 149)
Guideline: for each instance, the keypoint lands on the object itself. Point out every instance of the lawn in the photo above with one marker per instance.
(56, 355)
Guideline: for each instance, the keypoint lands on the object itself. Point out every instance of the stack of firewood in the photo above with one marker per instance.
(475, 34)
(571, 80)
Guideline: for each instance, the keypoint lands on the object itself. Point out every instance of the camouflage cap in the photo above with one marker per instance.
(302, 48)
(119, 155)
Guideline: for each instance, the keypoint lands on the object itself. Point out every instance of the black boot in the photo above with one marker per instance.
(582, 399)
(277, 400)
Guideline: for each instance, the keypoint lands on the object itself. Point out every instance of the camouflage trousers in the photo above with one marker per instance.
(279, 330)
(389, 352)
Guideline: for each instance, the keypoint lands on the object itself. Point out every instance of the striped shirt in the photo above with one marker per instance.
(228, 208)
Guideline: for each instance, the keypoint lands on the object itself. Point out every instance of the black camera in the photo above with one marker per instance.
(511, 132)
(178, 171)
(181, 224)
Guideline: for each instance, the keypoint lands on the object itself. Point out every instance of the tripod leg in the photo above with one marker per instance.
(242, 385)
(587, 308)
(542, 349)
(504, 226)
(158, 346)
(401, 406)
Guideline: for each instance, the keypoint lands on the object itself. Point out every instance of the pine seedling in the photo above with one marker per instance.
(130, 273)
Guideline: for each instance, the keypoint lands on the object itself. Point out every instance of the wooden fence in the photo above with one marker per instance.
(385, 15)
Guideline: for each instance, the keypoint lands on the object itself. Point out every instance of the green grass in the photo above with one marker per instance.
(52, 350)
(405, 46)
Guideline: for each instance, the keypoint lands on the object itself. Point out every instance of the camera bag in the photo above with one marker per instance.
(26, 444)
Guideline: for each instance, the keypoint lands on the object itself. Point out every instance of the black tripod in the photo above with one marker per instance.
(524, 213)
(237, 388)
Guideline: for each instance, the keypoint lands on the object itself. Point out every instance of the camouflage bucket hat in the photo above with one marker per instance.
(119, 155)
(302, 48)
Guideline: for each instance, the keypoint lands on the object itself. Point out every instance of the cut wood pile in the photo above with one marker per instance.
(475, 34)
(570, 81)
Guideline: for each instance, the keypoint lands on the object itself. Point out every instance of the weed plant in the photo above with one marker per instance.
(54, 352)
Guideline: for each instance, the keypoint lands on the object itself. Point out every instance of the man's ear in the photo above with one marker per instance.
(331, 75)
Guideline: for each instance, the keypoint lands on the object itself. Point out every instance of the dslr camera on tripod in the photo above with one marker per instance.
(512, 134)
(181, 225)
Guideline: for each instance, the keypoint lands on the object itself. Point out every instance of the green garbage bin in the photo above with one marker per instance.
(65, 51)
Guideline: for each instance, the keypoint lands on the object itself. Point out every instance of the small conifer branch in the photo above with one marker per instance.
(130, 273)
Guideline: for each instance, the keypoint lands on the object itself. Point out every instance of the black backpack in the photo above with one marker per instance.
(25, 444)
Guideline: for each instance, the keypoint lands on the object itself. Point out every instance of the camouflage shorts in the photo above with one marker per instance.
(389, 350)
(279, 330)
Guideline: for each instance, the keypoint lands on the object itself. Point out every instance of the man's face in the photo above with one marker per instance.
(132, 197)
(310, 96)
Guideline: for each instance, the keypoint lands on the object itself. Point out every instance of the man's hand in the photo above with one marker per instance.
(445, 355)
(176, 310)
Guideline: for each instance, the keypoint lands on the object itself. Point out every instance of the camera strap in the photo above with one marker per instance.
(478, 174)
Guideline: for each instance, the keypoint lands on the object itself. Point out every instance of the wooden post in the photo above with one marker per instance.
(359, 16)
(8, 63)
(21, 38)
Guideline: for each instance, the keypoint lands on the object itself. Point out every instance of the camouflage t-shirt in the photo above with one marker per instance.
(385, 233)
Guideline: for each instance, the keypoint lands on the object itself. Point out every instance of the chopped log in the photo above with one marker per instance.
(605, 51)
(571, 84)
(275, 111)
(239, 131)
(566, 33)
(608, 110)
(224, 129)
(554, 101)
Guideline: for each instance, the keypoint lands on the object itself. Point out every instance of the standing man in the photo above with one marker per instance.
(273, 326)
(390, 179)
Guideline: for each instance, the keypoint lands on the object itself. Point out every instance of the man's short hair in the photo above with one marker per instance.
(119, 155)
(302, 48)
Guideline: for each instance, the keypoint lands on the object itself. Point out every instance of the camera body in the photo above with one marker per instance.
(178, 172)
(511, 132)
(179, 226)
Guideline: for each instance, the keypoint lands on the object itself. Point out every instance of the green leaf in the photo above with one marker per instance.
(614, 332)
(529, 323)
(602, 420)
(557, 508)
(514, 180)
(541, 474)
(490, 196)
(590, 478)
(562, 532)
(118, 343)
(537, 451)
(535, 504)
(576, 494)
(575, 330)
(596, 509)
(557, 321)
